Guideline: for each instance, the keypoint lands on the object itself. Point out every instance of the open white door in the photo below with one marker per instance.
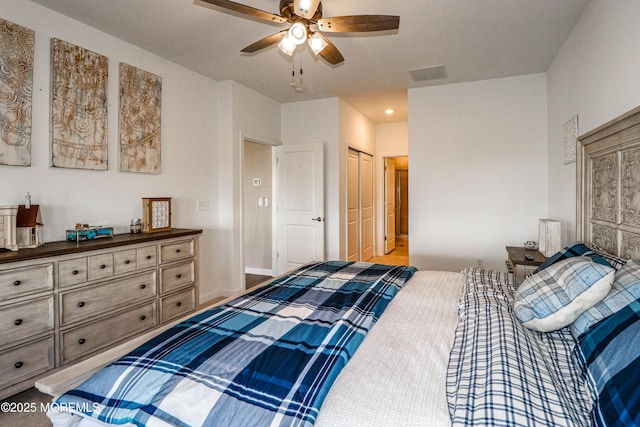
(300, 207)
(389, 205)
(353, 206)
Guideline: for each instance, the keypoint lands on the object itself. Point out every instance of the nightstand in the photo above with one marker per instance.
(519, 265)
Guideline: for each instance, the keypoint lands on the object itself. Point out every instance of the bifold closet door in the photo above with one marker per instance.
(359, 206)
(366, 207)
(353, 206)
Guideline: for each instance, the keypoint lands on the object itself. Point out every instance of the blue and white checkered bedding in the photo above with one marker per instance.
(503, 374)
(266, 358)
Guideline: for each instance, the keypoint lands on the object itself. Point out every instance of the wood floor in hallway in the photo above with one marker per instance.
(399, 256)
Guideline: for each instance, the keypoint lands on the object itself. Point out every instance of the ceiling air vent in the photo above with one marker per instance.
(428, 73)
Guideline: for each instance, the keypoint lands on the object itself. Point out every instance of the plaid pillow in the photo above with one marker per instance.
(556, 296)
(625, 289)
(616, 262)
(577, 249)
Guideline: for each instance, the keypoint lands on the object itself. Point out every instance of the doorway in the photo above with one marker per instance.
(258, 189)
(396, 210)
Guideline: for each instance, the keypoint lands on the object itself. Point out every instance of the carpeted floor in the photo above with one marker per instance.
(26, 409)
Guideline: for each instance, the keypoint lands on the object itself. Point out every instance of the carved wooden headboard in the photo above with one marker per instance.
(608, 186)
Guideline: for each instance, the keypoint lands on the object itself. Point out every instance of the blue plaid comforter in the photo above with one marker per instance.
(266, 358)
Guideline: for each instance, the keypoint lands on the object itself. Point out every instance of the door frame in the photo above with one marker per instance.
(244, 136)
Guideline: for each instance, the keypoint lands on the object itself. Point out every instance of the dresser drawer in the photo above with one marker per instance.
(20, 321)
(91, 337)
(178, 304)
(81, 303)
(177, 276)
(177, 251)
(147, 257)
(72, 271)
(22, 281)
(124, 261)
(23, 362)
(100, 266)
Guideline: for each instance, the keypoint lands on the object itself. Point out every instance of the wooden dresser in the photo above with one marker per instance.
(65, 301)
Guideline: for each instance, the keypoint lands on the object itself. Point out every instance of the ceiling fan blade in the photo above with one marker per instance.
(265, 42)
(305, 8)
(359, 23)
(331, 53)
(247, 10)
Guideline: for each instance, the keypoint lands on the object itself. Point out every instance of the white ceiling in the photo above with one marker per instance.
(474, 39)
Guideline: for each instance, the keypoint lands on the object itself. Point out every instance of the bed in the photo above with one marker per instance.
(427, 347)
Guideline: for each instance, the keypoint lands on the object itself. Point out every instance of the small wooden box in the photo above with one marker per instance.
(156, 214)
(549, 236)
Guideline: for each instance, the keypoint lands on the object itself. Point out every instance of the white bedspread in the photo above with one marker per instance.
(398, 374)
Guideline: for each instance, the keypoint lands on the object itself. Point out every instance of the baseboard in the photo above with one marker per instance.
(260, 271)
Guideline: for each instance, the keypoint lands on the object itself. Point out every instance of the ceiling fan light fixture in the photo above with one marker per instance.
(298, 33)
(317, 43)
(287, 46)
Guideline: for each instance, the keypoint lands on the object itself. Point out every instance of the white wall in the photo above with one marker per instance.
(358, 132)
(243, 114)
(112, 198)
(392, 140)
(596, 75)
(478, 170)
(318, 122)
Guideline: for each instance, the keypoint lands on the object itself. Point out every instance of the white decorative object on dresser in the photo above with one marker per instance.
(8, 227)
(549, 236)
(64, 301)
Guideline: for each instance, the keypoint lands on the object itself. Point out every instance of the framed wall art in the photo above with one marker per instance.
(79, 122)
(570, 140)
(139, 120)
(16, 88)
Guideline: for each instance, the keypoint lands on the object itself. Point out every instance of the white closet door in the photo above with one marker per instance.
(366, 207)
(390, 205)
(353, 206)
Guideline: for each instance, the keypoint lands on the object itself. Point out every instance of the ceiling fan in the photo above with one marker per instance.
(307, 25)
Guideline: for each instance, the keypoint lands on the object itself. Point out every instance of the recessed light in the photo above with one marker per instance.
(389, 111)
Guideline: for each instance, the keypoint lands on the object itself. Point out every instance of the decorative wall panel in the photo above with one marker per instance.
(16, 88)
(139, 124)
(606, 238)
(630, 246)
(605, 188)
(630, 203)
(78, 107)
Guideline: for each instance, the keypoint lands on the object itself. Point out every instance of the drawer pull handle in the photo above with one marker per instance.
(177, 251)
(143, 286)
(148, 256)
(81, 341)
(17, 322)
(103, 266)
(19, 365)
(143, 317)
(75, 272)
(17, 283)
(81, 304)
(178, 276)
(126, 261)
(179, 303)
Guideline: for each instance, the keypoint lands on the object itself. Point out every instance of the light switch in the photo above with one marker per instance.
(202, 205)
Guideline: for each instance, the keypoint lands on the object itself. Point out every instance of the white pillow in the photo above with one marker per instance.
(554, 297)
